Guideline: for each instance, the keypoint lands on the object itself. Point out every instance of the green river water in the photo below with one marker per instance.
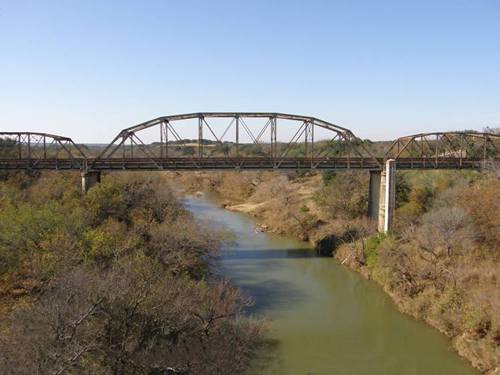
(323, 318)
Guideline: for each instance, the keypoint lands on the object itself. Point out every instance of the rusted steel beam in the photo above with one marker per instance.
(352, 145)
(442, 150)
(35, 146)
(437, 145)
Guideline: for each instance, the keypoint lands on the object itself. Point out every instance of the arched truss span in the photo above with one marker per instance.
(30, 150)
(445, 150)
(223, 140)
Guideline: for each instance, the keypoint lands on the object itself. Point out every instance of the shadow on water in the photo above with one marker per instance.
(235, 253)
(267, 294)
(271, 294)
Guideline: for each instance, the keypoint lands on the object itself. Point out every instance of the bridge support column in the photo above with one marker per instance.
(89, 179)
(387, 194)
(374, 195)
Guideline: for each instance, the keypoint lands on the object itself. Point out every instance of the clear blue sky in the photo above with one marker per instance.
(86, 69)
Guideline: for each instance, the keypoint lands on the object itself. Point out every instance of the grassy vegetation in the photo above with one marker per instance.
(116, 282)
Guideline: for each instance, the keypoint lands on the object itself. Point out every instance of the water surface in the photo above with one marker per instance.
(324, 318)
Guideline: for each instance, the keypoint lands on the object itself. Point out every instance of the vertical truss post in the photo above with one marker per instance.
(276, 145)
(422, 153)
(29, 148)
(309, 141)
(237, 136)
(348, 142)
(306, 137)
(44, 148)
(273, 138)
(166, 139)
(19, 147)
(411, 154)
(131, 146)
(200, 137)
(69, 154)
(312, 143)
(124, 145)
(161, 139)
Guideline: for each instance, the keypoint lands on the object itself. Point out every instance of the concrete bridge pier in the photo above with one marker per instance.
(382, 196)
(387, 201)
(90, 179)
(374, 194)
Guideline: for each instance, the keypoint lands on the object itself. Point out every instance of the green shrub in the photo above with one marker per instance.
(106, 199)
(24, 229)
(402, 190)
(328, 177)
(371, 247)
(345, 197)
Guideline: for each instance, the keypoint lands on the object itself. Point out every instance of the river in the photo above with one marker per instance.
(323, 317)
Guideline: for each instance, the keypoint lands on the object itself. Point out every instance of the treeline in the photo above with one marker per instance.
(116, 282)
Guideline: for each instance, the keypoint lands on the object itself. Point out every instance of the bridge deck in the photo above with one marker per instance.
(225, 163)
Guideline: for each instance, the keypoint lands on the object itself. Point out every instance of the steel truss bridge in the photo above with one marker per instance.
(245, 140)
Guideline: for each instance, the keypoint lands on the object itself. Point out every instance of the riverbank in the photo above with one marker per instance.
(449, 281)
(323, 318)
(119, 280)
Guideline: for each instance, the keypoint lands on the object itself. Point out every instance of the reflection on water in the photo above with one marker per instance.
(325, 319)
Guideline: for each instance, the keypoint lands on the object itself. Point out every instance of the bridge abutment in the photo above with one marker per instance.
(90, 179)
(387, 196)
